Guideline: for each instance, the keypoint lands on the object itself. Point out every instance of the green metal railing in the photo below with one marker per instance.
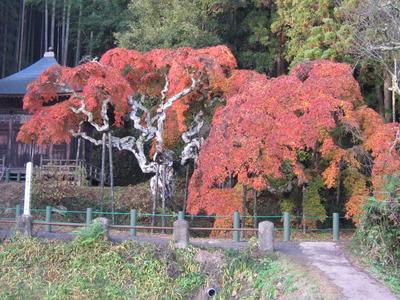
(133, 216)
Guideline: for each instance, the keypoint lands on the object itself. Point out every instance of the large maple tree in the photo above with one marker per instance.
(268, 125)
(301, 129)
(156, 89)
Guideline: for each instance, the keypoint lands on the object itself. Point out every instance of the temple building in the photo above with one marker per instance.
(14, 155)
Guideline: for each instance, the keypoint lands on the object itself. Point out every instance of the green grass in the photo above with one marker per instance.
(252, 275)
(90, 268)
(32, 269)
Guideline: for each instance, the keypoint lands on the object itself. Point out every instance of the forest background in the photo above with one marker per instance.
(264, 35)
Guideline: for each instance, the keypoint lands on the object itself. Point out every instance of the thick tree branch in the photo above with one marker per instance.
(193, 139)
(89, 115)
(162, 115)
(153, 128)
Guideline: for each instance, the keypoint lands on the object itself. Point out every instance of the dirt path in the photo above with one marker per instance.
(327, 257)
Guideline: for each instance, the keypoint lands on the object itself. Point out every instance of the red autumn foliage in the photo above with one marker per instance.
(119, 74)
(266, 122)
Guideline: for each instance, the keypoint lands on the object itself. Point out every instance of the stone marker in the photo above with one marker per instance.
(105, 223)
(266, 236)
(24, 225)
(28, 188)
(181, 234)
(24, 222)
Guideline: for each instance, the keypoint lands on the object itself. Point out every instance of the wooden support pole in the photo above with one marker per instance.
(110, 160)
(254, 192)
(153, 217)
(244, 202)
(103, 162)
(7, 175)
(10, 141)
(394, 92)
(164, 177)
(186, 187)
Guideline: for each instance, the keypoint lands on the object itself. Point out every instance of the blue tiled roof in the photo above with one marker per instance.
(16, 83)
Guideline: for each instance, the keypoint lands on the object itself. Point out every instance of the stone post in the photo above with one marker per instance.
(105, 223)
(24, 225)
(266, 236)
(181, 234)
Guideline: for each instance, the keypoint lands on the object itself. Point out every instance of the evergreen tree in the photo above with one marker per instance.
(244, 26)
(168, 24)
(312, 30)
(9, 10)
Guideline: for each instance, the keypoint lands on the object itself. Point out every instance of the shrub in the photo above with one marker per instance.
(379, 232)
(89, 235)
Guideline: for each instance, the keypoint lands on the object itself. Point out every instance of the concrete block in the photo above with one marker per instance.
(266, 236)
(181, 234)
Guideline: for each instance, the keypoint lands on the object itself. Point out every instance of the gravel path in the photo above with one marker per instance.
(326, 256)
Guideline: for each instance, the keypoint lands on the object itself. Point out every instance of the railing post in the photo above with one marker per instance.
(48, 218)
(19, 176)
(286, 226)
(17, 211)
(236, 225)
(89, 216)
(181, 215)
(8, 175)
(335, 226)
(133, 221)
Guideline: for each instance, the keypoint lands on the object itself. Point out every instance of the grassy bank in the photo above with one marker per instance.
(93, 268)
(388, 274)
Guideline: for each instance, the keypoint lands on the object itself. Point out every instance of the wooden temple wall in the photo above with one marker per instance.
(18, 154)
